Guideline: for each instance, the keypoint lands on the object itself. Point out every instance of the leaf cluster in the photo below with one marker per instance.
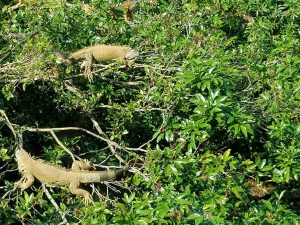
(213, 98)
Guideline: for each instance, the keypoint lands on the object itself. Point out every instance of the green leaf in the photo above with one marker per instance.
(237, 204)
(226, 155)
(3, 154)
(142, 222)
(168, 171)
(262, 163)
(281, 194)
(28, 198)
(267, 168)
(237, 190)
(144, 212)
(24, 86)
(250, 168)
(169, 136)
(63, 206)
(236, 129)
(201, 97)
(296, 176)
(128, 199)
(183, 201)
(174, 170)
(197, 218)
(268, 204)
(244, 130)
(162, 210)
(136, 180)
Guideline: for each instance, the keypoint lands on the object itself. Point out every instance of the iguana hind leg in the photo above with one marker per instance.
(74, 189)
(25, 182)
(81, 165)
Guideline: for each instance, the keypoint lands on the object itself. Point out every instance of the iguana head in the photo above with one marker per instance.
(131, 54)
(23, 159)
(21, 154)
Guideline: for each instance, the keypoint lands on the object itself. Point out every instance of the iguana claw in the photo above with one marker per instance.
(88, 199)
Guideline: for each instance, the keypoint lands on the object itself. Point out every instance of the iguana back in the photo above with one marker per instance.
(105, 52)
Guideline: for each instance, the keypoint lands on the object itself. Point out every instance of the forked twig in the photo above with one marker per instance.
(62, 146)
(116, 145)
(8, 123)
(17, 136)
(112, 149)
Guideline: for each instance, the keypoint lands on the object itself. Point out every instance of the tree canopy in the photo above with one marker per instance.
(208, 115)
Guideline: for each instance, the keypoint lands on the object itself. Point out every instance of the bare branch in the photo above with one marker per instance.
(8, 123)
(115, 82)
(156, 67)
(17, 136)
(62, 146)
(116, 145)
(112, 149)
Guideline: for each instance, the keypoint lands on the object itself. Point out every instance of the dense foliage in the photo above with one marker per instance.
(210, 109)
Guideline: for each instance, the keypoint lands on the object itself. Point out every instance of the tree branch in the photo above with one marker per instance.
(112, 149)
(116, 145)
(62, 146)
(55, 205)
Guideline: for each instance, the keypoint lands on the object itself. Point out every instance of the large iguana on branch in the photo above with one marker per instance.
(102, 53)
(50, 174)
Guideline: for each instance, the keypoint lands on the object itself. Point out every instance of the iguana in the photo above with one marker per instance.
(128, 6)
(31, 168)
(102, 53)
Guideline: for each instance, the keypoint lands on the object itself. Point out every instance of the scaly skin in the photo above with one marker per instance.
(34, 168)
(105, 53)
(102, 53)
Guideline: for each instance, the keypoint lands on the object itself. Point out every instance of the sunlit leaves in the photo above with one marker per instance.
(219, 96)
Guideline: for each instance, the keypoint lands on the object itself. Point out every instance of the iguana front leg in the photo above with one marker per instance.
(25, 182)
(74, 189)
(128, 63)
(87, 64)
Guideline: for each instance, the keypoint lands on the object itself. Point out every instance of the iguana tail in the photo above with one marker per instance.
(99, 176)
(113, 174)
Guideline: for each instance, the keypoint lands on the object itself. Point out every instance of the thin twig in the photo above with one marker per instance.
(62, 215)
(110, 186)
(4, 165)
(103, 161)
(156, 67)
(8, 123)
(115, 82)
(116, 145)
(17, 136)
(136, 110)
(51, 130)
(106, 67)
(157, 133)
(112, 149)
(62, 146)
(7, 193)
